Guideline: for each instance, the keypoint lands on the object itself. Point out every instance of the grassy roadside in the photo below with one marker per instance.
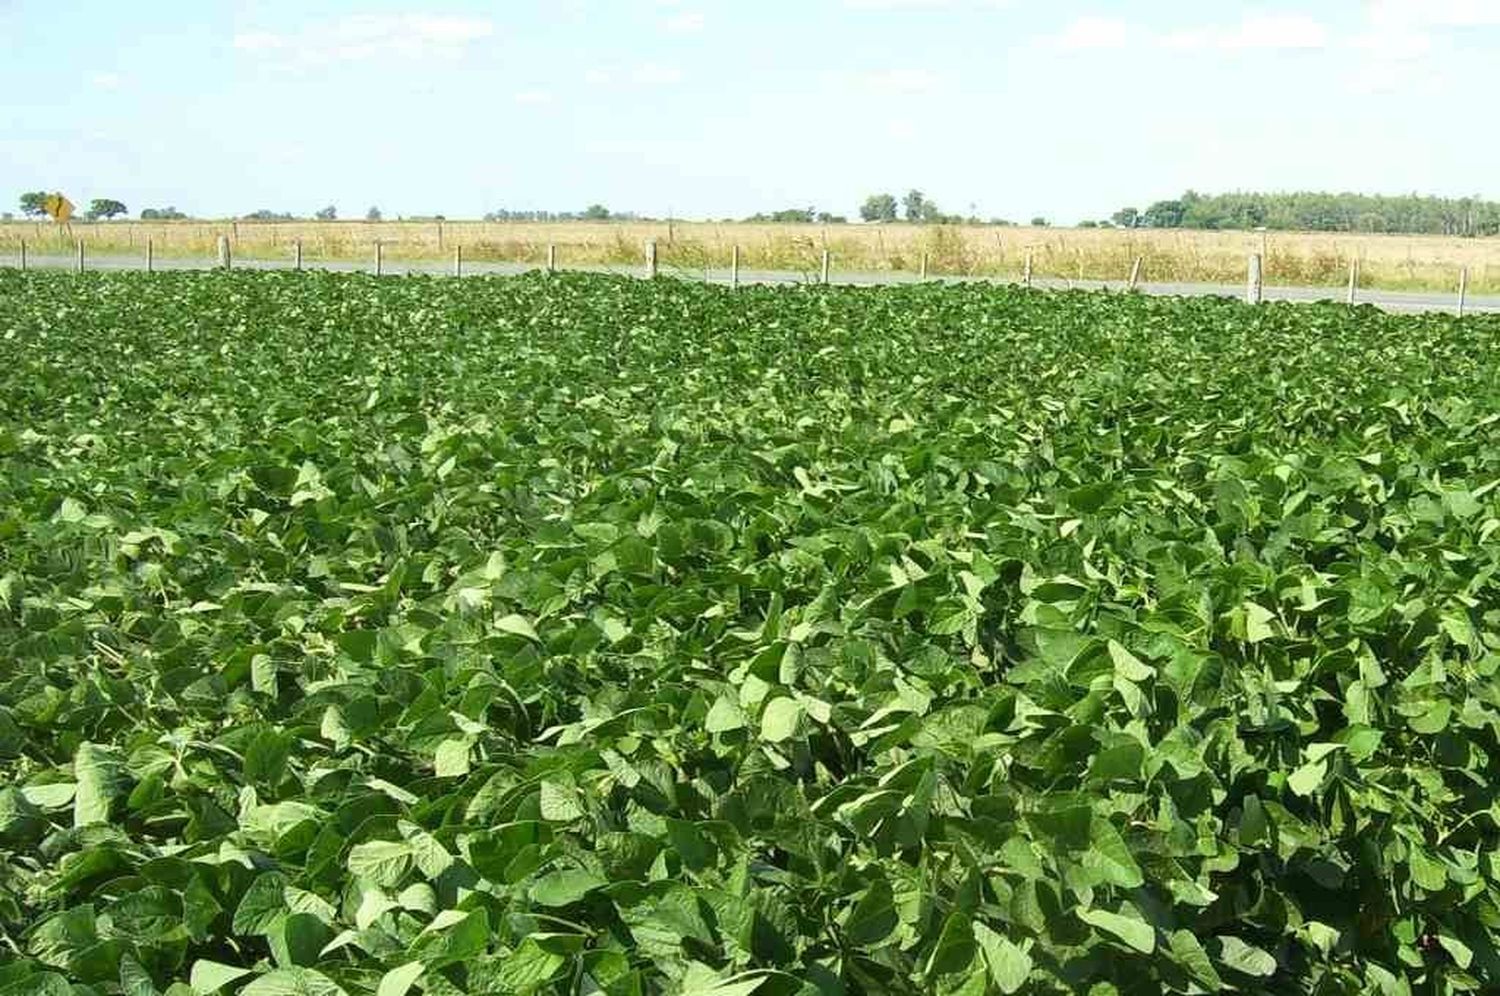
(1291, 259)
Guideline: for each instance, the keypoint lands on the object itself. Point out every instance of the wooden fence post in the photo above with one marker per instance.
(440, 236)
(224, 258)
(1135, 274)
(650, 259)
(1254, 287)
(297, 255)
(734, 268)
(80, 256)
(923, 274)
(23, 255)
(1353, 280)
(150, 254)
(458, 260)
(825, 267)
(551, 257)
(379, 258)
(1463, 289)
(1026, 273)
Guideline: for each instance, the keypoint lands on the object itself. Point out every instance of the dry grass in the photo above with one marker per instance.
(1312, 259)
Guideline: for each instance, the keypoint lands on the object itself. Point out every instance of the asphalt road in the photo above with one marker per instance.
(1394, 301)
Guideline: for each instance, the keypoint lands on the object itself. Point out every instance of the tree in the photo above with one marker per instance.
(162, 214)
(596, 212)
(1039, 222)
(915, 206)
(1164, 214)
(373, 214)
(264, 215)
(103, 207)
(1126, 217)
(31, 203)
(329, 213)
(878, 207)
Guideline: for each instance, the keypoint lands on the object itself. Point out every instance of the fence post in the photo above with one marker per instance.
(458, 260)
(650, 259)
(440, 236)
(734, 268)
(224, 259)
(23, 255)
(1253, 282)
(551, 258)
(825, 267)
(1353, 279)
(1463, 289)
(1026, 273)
(80, 255)
(379, 258)
(1135, 274)
(297, 255)
(923, 274)
(150, 254)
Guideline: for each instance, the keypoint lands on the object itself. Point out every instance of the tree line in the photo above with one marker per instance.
(1320, 212)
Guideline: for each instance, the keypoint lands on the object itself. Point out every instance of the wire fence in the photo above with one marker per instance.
(1254, 291)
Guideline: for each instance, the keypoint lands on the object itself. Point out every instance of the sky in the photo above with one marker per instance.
(722, 108)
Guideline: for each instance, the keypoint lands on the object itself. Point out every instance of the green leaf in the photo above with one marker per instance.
(1259, 623)
(874, 917)
(382, 863)
(780, 719)
(565, 887)
(1009, 965)
(1135, 933)
(1188, 953)
(399, 980)
(1236, 954)
(101, 779)
(1109, 856)
(292, 982)
(518, 626)
(725, 716)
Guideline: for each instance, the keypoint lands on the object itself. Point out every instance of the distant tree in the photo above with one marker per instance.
(330, 213)
(265, 215)
(1039, 222)
(103, 207)
(1126, 217)
(832, 219)
(31, 203)
(1088, 224)
(162, 214)
(915, 206)
(7, 216)
(1106, 223)
(878, 207)
(1164, 214)
(596, 212)
(373, 214)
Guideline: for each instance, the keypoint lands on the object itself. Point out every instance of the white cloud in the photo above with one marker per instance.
(534, 97)
(1092, 32)
(890, 82)
(1435, 13)
(925, 5)
(1255, 31)
(106, 81)
(645, 74)
(653, 74)
(369, 36)
(687, 22)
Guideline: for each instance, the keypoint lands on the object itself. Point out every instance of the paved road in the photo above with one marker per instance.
(1395, 301)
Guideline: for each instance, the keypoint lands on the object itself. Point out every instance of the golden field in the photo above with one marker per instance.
(1292, 258)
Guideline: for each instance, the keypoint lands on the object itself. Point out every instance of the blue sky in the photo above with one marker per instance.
(1011, 108)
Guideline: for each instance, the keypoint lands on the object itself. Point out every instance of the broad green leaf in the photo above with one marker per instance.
(1236, 954)
(780, 719)
(382, 863)
(399, 980)
(1135, 933)
(1009, 964)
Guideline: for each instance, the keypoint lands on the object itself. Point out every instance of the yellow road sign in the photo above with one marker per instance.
(58, 206)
